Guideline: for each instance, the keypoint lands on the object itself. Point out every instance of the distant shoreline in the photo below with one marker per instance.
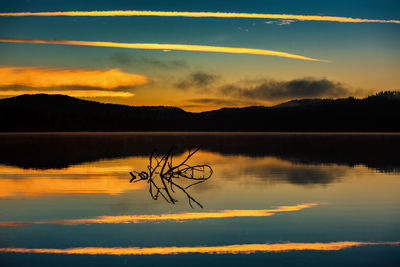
(47, 150)
(376, 114)
(194, 133)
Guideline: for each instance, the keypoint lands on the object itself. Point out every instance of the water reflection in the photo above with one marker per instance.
(165, 177)
(73, 192)
(180, 217)
(275, 170)
(103, 177)
(112, 176)
(229, 249)
(46, 151)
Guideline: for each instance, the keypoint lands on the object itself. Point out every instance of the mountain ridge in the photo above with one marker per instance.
(44, 112)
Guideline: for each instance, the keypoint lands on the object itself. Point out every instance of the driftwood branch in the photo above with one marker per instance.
(165, 178)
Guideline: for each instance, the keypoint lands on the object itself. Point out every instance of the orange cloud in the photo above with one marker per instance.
(230, 249)
(44, 77)
(200, 15)
(73, 93)
(182, 47)
(169, 217)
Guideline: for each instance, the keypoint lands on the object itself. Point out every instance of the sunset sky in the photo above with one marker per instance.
(199, 61)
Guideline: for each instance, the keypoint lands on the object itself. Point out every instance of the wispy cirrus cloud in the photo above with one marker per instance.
(228, 249)
(168, 47)
(201, 15)
(127, 60)
(280, 22)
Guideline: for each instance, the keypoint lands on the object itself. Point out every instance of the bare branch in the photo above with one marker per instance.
(163, 176)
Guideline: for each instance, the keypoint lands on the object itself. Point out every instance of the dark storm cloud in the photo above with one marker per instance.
(298, 88)
(127, 60)
(197, 80)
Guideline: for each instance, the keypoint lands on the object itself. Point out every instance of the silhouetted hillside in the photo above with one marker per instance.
(63, 113)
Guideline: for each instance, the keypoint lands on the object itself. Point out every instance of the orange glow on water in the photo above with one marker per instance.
(230, 249)
(103, 177)
(155, 46)
(169, 217)
(58, 186)
(199, 15)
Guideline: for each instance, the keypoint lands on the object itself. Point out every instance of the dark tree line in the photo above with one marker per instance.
(378, 113)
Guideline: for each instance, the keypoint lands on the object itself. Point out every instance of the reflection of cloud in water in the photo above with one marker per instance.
(229, 249)
(112, 176)
(274, 170)
(299, 174)
(313, 176)
(103, 177)
(50, 186)
(169, 217)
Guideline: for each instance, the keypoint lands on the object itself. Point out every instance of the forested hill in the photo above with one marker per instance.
(380, 112)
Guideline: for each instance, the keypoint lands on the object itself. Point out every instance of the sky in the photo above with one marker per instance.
(174, 54)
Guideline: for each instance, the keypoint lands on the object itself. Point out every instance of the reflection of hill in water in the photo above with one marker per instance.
(44, 151)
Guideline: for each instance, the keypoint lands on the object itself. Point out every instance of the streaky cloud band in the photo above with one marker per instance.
(185, 216)
(199, 15)
(73, 93)
(229, 249)
(167, 47)
(38, 77)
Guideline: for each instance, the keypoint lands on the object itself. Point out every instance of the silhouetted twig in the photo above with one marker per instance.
(164, 177)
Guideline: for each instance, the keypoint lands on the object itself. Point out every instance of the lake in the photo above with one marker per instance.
(273, 199)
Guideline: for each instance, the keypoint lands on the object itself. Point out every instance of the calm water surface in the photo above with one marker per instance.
(274, 199)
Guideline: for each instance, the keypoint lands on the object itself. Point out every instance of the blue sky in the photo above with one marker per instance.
(363, 57)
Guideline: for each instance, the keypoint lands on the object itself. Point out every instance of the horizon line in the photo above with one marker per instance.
(161, 105)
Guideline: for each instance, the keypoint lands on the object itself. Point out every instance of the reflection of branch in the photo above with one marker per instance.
(162, 176)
